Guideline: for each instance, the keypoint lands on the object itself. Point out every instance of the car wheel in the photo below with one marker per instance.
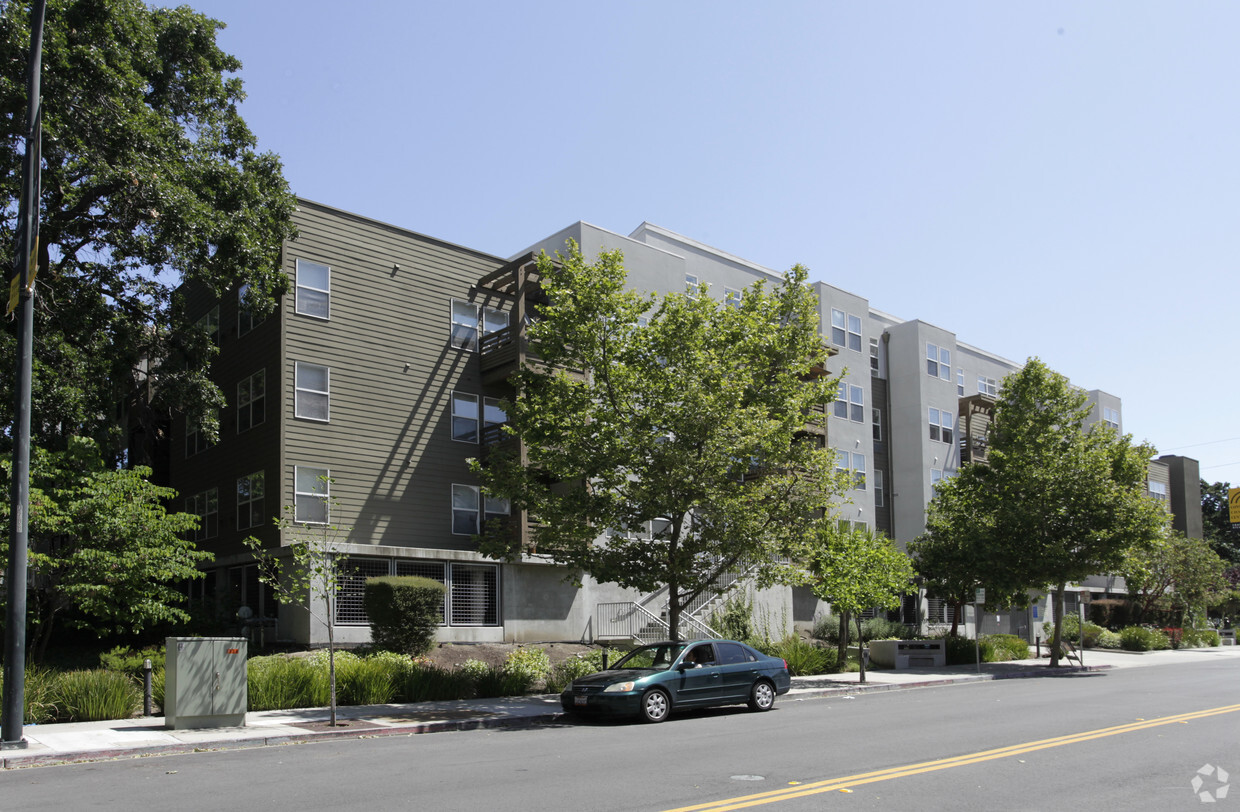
(762, 696)
(655, 705)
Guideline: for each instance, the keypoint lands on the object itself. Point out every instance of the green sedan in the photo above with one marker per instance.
(652, 680)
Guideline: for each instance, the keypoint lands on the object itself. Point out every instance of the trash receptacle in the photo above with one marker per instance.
(204, 682)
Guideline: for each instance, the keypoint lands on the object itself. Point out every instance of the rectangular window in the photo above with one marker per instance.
(841, 401)
(1110, 418)
(493, 416)
(247, 320)
(879, 493)
(313, 289)
(692, 287)
(732, 298)
(250, 501)
(936, 476)
(839, 332)
(854, 333)
(987, 386)
(940, 424)
(877, 427)
(196, 440)
(493, 320)
(251, 401)
(464, 417)
(312, 489)
(464, 325)
(210, 324)
(945, 364)
(205, 506)
(495, 508)
(856, 401)
(842, 460)
(938, 362)
(873, 356)
(313, 396)
(858, 469)
(464, 510)
(1158, 490)
(960, 383)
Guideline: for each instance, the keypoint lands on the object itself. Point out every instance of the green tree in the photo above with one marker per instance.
(1057, 502)
(310, 570)
(954, 556)
(854, 570)
(150, 178)
(681, 453)
(1175, 574)
(1216, 522)
(105, 553)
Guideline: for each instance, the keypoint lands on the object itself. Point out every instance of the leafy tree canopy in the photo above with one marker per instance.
(1056, 503)
(1216, 521)
(682, 452)
(1175, 573)
(105, 554)
(150, 178)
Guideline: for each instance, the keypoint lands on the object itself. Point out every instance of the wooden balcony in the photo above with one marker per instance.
(973, 424)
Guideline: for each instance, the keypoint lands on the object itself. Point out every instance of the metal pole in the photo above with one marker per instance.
(19, 536)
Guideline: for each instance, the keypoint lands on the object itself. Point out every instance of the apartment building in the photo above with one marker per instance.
(382, 372)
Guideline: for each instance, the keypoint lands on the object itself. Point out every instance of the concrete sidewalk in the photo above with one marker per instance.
(90, 741)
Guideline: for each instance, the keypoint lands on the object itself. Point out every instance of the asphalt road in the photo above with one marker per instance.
(1129, 739)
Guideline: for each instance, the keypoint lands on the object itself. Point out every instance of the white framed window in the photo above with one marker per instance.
(210, 324)
(206, 506)
(464, 510)
(311, 492)
(251, 401)
(464, 417)
(854, 332)
(250, 497)
(842, 460)
(960, 383)
(692, 286)
(938, 362)
(856, 403)
(936, 476)
(493, 416)
(873, 356)
(314, 286)
(858, 469)
(464, 325)
(987, 386)
(732, 298)
(839, 328)
(246, 318)
(493, 507)
(880, 493)
(876, 424)
(841, 401)
(1110, 418)
(1158, 490)
(313, 391)
(940, 424)
(469, 319)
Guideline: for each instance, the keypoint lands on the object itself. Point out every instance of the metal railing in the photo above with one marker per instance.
(628, 621)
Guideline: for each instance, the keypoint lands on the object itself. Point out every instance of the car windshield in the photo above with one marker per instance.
(658, 657)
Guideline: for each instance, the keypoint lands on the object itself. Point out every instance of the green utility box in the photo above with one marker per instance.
(205, 682)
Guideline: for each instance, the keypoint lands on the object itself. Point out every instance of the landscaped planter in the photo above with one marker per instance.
(907, 653)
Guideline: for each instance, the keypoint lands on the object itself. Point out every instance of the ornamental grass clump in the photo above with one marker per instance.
(95, 696)
(279, 683)
(368, 681)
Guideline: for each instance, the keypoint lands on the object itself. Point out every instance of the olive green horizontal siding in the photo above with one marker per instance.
(388, 443)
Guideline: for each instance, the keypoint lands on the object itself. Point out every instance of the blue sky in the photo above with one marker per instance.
(1052, 179)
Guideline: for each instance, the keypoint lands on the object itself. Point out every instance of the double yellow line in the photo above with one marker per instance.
(849, 781)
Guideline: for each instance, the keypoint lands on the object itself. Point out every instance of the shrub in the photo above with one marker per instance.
(1072, 631)
(38, 696)
(579, 665)
(827, 629)
(370, 681)
(1004, 647)
(1143, 638)
(1108, 639)
(431, 683)
(880, 628)
(735, 619)
(404, 612)
(1198, 638)
(279, 682)
(803, 658)
(527, 666)
(130, 661)
(95, 696)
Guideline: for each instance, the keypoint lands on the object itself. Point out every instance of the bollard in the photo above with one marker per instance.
(1037, 643)
(146, 687)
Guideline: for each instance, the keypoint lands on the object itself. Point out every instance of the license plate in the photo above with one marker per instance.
(581, 700)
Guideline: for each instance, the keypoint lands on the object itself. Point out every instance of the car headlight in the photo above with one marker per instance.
(617, 687)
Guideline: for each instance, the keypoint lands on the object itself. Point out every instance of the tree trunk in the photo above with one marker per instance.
(331, 657)
(861, 648)
(1058, 635)
(841, 653)
(955, 618)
